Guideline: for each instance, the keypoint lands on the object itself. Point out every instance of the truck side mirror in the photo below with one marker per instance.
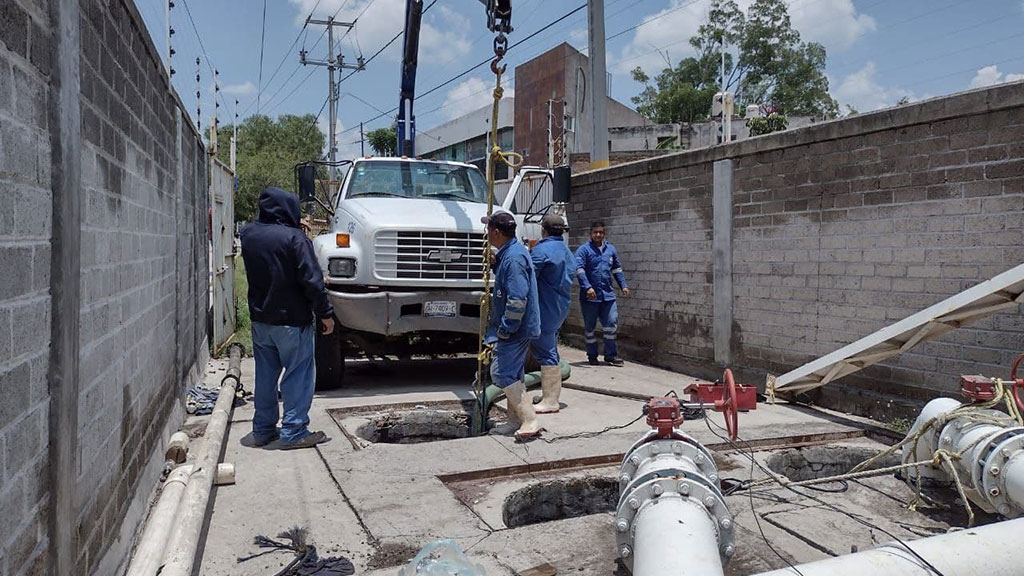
(561, 184)
(306, 176)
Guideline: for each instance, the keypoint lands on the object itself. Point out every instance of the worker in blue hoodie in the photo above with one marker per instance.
(555, 267)
(597, 264)
(513, 324)
(287, 302)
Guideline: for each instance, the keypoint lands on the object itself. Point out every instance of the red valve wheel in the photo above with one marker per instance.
(1016, 382)
(728, 405)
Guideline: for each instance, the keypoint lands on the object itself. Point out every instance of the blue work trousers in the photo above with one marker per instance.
(608, 314)
(545, 348)
(291, 349)
(508, 363)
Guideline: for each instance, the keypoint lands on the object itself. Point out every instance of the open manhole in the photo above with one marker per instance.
(558, 499)
(815, 462)
(417, 426)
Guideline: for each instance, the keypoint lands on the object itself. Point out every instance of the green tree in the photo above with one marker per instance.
(267, 152)
(384, 141)
(771, 67)
(767, 124)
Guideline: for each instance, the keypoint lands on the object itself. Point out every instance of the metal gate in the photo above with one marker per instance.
(222, 258)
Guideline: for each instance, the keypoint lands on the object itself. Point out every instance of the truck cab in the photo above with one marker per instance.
(404, 253)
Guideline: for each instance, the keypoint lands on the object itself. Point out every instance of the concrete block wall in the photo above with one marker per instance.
(838, 230)
(25, 228)
(140, 241)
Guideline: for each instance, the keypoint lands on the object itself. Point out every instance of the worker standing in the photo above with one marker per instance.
(286, 294)
(553, 264)
(597, 263)
(514, 322)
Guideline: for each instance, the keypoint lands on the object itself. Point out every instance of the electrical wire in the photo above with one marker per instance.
(263, 37)
(591, 434)
(206, 56)
(750, 454)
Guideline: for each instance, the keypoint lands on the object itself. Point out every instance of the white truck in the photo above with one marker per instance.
(403, 256)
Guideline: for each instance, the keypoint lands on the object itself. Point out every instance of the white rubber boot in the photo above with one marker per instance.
(517, 403)
(551, 385)
(509, 426)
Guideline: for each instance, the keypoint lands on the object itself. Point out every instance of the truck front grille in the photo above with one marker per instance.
(428, 255)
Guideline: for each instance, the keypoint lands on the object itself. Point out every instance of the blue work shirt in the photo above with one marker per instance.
(515, 314)
(595, 267)
(555, 267)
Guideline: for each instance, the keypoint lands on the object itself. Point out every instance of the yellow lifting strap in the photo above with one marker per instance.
(512, 160)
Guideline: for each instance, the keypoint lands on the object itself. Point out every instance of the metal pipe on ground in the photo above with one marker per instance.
(150, 550)
(994, 550)
(188, 522)
(235, 353)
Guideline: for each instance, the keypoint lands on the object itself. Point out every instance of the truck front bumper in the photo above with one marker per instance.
(397, 313)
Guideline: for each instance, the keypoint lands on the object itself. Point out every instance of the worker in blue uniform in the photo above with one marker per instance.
(555, 266)
(514, 322)
(597, 263)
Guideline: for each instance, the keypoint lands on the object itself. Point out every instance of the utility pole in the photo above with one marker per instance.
(234, 137)
(551, 140)
(332, 63)
(598, 94)
(216, 109)
(199, 102)
(362, 141)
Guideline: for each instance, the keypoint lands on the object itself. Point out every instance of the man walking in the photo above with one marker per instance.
(597, 263)
(514, 322)
(286, 294)
(554, 265)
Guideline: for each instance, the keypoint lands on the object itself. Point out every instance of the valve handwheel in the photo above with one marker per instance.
(729, 407)
(1017, 383)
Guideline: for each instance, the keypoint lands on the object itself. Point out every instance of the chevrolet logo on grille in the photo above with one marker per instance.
(444, 256)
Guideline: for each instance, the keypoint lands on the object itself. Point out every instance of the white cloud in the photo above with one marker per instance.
(833, 23)
(990, 75)
(579, 38)
(469, 95)
(862, 91)
(442, 34)
(242, 89)
(836, 24)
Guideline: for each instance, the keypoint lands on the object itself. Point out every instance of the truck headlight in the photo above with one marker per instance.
(342, 267)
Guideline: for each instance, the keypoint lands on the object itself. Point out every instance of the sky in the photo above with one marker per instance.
(879, 51)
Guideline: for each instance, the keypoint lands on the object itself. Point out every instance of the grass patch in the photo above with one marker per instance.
(243, 324)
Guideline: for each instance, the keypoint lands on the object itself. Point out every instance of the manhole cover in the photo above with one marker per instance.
(815, 462)
(558, 499)
(416, 426)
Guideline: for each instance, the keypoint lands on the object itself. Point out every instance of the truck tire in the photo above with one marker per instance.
(330, 361)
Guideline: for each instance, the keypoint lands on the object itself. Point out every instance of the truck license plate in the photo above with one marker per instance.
(442, 309)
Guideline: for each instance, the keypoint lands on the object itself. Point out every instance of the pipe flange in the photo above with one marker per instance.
(994, 480)
(640, 453)
(677, 434)
(698, 490)
(980, 465)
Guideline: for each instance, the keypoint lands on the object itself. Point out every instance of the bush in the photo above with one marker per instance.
(767, 124)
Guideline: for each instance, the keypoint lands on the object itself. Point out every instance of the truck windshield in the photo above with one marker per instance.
(417, 180)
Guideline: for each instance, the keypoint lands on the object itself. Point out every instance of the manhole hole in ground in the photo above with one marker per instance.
(558, 499)
(417, 426)
(815, 462)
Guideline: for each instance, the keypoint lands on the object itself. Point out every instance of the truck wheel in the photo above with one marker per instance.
(330, 361)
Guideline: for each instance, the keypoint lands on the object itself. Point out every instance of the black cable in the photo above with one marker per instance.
(263, 37)
(854, 517)
(206, 56)
(592, 434)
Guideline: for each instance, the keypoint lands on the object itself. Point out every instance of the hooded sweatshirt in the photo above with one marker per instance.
(286, 285)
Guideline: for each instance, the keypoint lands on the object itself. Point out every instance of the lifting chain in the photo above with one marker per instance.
(512, 160)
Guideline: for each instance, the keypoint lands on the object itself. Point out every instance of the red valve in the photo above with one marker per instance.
(728, 405)
(664, 414)
(1017, 383)
(728, 397)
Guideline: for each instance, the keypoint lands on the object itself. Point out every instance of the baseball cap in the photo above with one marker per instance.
(503, 221)
(553, 223)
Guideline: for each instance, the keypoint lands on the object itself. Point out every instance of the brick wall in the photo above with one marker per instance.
(839, 229)
(143, 283)
(25, 32)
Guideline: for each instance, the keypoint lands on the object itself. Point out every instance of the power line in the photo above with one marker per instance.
(206, 56)
(263, 37)
(288, 52)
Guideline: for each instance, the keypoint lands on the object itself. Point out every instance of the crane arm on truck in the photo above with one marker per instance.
(499, 19)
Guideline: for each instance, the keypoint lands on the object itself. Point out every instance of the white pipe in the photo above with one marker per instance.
(675, 536)
(181, 551)
(1014, 481)
(992, 550)
(150, 549)
(177, 447)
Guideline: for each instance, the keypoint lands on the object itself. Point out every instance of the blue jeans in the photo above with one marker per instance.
(608, 313)
(545, 348)
(508, 364)
(289, 348)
